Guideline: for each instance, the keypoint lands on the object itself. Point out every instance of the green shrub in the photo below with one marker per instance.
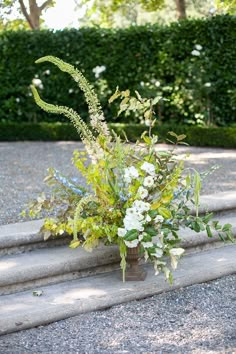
(196, 136)
(139, 59)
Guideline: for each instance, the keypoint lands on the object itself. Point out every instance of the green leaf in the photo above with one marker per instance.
(147, 140)
(227, 227)
(131, 235)
(115, 95)
(165, 213)
(209, 233)
(173, 134)
(74, 244)
(207, 218)
(153, 213)
(151, 231)
(147, 238)
(181, 137)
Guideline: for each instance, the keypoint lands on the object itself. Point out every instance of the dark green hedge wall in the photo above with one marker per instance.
(195, 136)
(135, 58)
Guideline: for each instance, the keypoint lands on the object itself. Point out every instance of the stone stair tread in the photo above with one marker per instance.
(23, 310)
(44, 263)
(49, 262)
(218, 202)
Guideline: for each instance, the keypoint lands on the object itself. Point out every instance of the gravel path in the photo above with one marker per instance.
(198, 319)
(23, 166)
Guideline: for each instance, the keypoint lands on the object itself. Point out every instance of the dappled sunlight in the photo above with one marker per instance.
(196, 335)
(77, 294)
(14, 307)
(212, 155)
(7, 265)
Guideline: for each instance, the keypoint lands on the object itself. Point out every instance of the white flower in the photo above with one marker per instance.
(121, 232)
(159, 219)
(148, 167)
(207, 84)
(37, 83)
(148, 218)
(132, 244)
(157, 84)
(158, 253)
(148, 122)
(141, 206)
(17, 99)
(148, 181)
(71, 90)
(147, 244)
(212, 10)
(98, 70)
(47, 72)
(142, 192)
(130, 173)
(198, 47)
(195, 53)
(133, 212)
(141, 236)
(131, 223)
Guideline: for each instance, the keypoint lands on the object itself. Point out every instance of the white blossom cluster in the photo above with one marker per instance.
(197, 51)
(37, 83)
(137, 216)
(98, 70)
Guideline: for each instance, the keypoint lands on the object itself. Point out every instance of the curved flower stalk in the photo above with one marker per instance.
(97, 118)
(84, 132)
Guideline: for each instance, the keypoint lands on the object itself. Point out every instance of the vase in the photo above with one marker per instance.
(134, 271)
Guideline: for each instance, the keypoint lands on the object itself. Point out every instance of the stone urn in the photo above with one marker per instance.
(134, 271)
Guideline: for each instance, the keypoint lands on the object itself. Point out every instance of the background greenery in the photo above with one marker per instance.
(195, 135)
(151, 59)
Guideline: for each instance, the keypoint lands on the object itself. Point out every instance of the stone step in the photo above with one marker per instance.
(220, 203)
(23, 310)
(53, 265)
(24, 237)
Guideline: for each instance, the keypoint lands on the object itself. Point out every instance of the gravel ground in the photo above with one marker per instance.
(23, 166)
(197, 319)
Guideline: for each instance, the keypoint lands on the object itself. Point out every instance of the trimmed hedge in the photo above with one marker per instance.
(196, 136)
(136, 58)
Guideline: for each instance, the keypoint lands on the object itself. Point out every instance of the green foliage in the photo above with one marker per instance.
(195, 136)
(152, 60)
(227, 6)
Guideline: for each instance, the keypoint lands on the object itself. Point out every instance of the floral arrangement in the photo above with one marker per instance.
(135, 195)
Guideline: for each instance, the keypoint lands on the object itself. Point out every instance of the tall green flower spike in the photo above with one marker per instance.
(97, 118)
(86, 135)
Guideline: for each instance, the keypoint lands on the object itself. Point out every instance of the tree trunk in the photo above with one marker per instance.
(35, 11)
(181, 9)
(34, 14)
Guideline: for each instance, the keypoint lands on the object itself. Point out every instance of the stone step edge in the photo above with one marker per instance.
(27, 233)
(102, 259)
(23, 310)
